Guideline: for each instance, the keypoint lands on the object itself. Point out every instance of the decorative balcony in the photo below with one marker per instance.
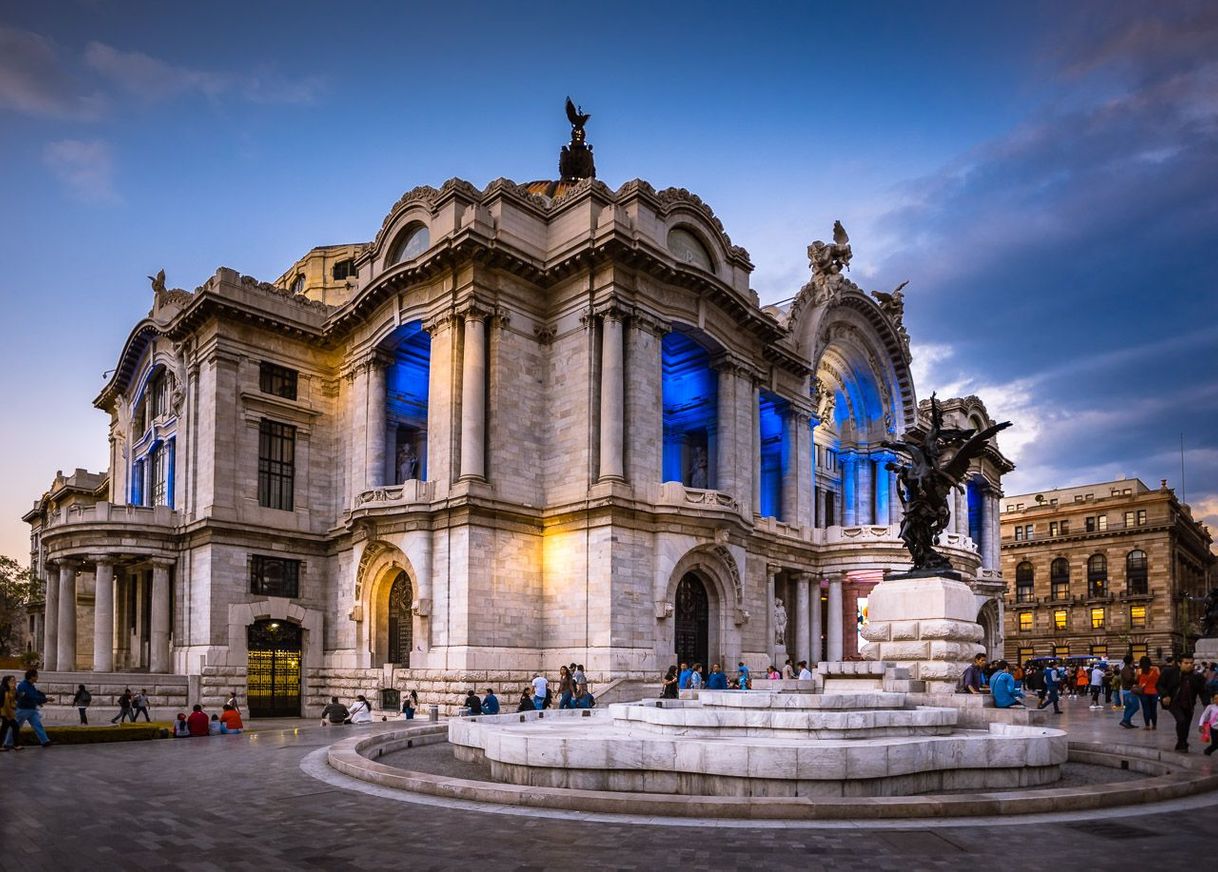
(411, 494)
(109, 528)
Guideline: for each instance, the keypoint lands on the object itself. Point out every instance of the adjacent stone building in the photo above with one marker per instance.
(524, 425)
(1103, 570)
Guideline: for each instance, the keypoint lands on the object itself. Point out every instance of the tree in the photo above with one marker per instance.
(18, 587)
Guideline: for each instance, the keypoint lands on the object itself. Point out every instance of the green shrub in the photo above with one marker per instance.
(108, 733)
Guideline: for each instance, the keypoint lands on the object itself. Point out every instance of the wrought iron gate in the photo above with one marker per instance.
(274, 669)
(692, 630)
(401, 623)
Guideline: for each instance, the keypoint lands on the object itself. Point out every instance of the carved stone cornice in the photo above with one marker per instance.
(501, 317)
(473, 309)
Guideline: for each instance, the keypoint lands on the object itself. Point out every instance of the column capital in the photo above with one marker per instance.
(772, 569)
(473, 309)
(163, 562)
(62, 563)
(104, 559)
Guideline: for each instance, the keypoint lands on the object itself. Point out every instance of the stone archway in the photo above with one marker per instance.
(691, 621)
(701, 600)
(991, 628)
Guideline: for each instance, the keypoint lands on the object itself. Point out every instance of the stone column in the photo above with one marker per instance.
(613, 397)
(103, 616)
(771, 580)
(159, 659)
(725, 429)
(756, 427)
(961, 515)
(375, 435)
(835, 619)
(995, 522)
(983, 528)
(802, 618)
(866, 505)
(815, 654)
(882, 485)
(66, 658)
(895, 510)
(50, 621)
(473, 396)
(849, 516)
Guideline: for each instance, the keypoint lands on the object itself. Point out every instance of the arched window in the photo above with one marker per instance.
(689, 249)
(298, 284)
(1097, 575)
(1059, 578)
(1025, 582)
(1136, 573)
(410, 243)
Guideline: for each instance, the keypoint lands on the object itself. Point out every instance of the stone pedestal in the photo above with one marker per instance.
(1207, 650)
(926, 624)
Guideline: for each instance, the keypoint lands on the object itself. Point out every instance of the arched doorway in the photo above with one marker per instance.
(401, 621)
(274, 669)
(991, 629)
(692, 626)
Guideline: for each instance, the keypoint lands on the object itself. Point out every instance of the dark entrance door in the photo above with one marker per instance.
(692, 621)
(274, 669)
(401, 625)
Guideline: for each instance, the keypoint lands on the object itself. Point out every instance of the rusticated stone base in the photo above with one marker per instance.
(925, 624)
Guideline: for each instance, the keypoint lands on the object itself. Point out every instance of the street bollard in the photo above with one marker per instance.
(433, 713)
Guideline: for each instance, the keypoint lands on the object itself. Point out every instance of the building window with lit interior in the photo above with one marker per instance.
(1097, 619)
(1061, 651)
(1099, 651)
(1025, 622)
(1097, 576)
(1137, 617)
(1061, 620)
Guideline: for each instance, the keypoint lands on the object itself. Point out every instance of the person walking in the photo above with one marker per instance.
(139, 703)
(1127, 680)
(1208, 725)
(541, 687)
(231, 701)
(28, 699)
(1148, 692)
(743, 679)
(668, 685)
(81, 700)
(1179, 690)
(124, 708)
(1097, 685)
(8, 714)
(1053, 680)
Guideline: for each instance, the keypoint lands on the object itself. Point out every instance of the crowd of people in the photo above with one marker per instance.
(1184, 689)
(198, 724)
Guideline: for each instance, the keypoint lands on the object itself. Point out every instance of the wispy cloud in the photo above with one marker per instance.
(85, 167)
(153, 80)
(35, 81)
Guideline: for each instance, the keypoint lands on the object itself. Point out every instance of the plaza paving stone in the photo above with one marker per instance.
(242, 802)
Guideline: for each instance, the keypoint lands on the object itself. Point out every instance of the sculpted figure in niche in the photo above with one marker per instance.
(697, 467)
(780, 623)
(408, 463)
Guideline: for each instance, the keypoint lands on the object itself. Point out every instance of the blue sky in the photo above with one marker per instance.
(1045, 175)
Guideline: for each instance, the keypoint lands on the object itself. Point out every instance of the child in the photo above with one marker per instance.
(180, 728)
(213, 728)
(1209, 726)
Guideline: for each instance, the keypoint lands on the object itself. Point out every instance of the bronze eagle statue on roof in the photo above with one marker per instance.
(576, 161)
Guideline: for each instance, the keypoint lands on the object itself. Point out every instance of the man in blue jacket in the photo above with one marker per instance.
(1003, 689)
(29, 698)
(1052, 688)
(717, 680)
(490, 703)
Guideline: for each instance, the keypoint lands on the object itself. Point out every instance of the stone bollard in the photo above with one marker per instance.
(433, 713)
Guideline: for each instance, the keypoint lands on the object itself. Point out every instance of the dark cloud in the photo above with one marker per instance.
(1070, 263)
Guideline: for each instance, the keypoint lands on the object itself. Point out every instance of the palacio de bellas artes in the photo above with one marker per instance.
(609, 459)
(525, 424)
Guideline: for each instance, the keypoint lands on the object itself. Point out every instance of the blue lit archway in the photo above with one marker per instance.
(406, 384)
(691, 412)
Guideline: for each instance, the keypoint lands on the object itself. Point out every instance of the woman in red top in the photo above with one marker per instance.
(230, 721)
(1148, 692)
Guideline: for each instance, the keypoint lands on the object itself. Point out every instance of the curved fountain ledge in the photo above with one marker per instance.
(1169, 776)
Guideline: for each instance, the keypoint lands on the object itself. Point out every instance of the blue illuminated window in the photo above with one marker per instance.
(406, 384)
(775, 453)
(691, 411)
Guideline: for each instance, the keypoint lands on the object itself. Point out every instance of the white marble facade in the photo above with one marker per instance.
(524, 426)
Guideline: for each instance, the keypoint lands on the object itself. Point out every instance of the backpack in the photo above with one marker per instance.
(86, 697)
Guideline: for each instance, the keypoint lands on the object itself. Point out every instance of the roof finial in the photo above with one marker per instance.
(576, 161)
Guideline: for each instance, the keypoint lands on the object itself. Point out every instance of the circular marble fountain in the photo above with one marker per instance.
(761, 743)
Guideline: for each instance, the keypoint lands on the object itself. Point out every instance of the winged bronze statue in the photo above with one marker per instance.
(576, 162)
(926, 478)
(158, 282)
(577, 115)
